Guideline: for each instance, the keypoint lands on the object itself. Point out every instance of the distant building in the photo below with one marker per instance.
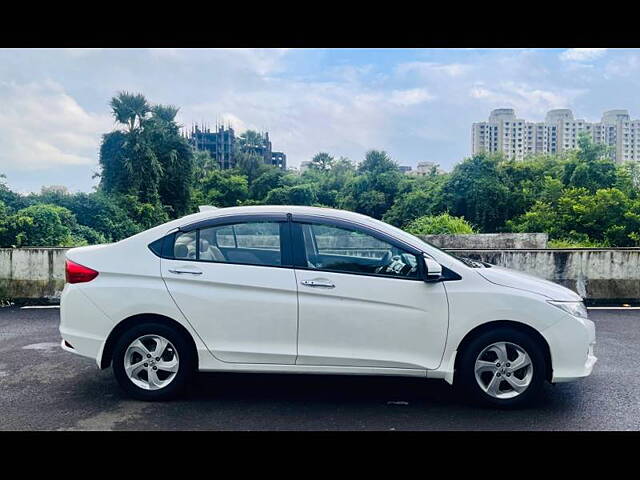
(221, 144)
(404, 168)
(425, 168)
(279, 159)
(516, 138)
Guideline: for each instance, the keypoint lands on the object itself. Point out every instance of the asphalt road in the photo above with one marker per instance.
(45, 388)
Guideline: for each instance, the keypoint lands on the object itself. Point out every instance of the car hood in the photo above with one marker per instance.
(514, 279)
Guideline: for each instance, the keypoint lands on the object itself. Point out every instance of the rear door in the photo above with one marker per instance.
(234, 282)
(362, 301)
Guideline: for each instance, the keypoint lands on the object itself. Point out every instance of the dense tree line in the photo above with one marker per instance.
(150, 174)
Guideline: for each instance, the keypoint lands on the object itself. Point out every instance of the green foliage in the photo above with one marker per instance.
(149, 158)
(41, 225)
(322, 161)
(476, 192)
(375, 187)
(439, 224)
(607, 217)
(293, 195)
(423, 197)
(223, 188)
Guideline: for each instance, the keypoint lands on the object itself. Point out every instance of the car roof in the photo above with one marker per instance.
(266, 209)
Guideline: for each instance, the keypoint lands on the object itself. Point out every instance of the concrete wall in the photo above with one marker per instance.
(599, 275)
(488, 240)
(31, 274)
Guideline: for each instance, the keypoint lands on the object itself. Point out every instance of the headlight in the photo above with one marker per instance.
(577, 309)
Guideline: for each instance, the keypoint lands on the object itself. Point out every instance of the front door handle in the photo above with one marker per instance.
(318, 283)
(191, 272)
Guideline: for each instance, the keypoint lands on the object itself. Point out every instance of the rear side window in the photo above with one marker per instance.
(185, 246)
(251, 243)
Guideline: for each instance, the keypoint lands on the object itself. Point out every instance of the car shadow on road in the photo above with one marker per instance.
(345, 389)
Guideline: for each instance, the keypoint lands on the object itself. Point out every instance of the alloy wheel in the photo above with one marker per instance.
(151, 362)
(503, 370)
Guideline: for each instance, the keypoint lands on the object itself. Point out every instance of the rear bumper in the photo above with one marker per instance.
(82, 324)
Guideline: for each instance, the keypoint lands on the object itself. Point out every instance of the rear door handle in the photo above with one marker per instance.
(191, 272)
(318, 283)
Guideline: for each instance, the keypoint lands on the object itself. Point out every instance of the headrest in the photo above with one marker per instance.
(181, 251)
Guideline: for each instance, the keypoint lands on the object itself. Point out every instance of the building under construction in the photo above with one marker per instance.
(221, 144)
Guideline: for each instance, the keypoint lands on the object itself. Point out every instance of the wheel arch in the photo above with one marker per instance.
(124, 325)
(524, 328)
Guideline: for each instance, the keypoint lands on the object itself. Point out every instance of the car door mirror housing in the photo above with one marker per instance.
(432, 270)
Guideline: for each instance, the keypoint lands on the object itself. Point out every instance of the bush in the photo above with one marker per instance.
(439, 224)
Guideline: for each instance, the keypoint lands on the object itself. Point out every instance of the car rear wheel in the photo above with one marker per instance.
(503, 367)
(153, 362)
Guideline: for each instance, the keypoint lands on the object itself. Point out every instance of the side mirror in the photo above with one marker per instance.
(433, 270)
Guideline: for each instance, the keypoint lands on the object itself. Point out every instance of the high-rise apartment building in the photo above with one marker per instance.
(517, 138)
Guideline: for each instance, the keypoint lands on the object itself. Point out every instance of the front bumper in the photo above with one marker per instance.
(572, 345)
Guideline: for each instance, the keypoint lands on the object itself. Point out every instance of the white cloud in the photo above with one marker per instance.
(412, 96)
(582, 54)
(528, 101)
(41, 127)
(429, 69)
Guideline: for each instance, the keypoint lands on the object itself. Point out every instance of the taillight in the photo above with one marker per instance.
(76, 273)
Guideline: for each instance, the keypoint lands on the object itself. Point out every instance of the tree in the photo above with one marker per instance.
(203, 162)
(322, 161)
(224, 188)
(129, 109)
(422, 196)
(475, 191)
(374, 189)
(292, 195)
(439, 224)
(40, 225)
(148, 158)
(589, 167)
(607, 217)
(175, 157)
(128, 162)
(271, 179)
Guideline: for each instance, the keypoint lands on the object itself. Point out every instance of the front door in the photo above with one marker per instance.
(232, 285)
(362, 303)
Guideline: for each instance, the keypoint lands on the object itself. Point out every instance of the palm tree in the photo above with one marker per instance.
(322, 161)
(128, 107)
(250, 139)
(166, 113)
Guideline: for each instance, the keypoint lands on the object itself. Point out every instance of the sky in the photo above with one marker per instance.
(416, 104)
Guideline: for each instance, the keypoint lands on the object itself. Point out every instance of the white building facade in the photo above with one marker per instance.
(517, 138)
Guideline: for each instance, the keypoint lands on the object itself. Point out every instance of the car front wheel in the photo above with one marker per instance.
(152, 362)
(503, 367)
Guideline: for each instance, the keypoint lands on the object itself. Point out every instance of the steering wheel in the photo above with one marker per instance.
(384, 261)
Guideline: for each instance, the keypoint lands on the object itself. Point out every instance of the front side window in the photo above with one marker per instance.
(352, 251)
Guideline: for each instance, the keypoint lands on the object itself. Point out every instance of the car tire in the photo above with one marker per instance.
(139, 372)
(502, 385)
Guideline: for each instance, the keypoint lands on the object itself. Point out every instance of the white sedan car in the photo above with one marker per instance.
(314, 290)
